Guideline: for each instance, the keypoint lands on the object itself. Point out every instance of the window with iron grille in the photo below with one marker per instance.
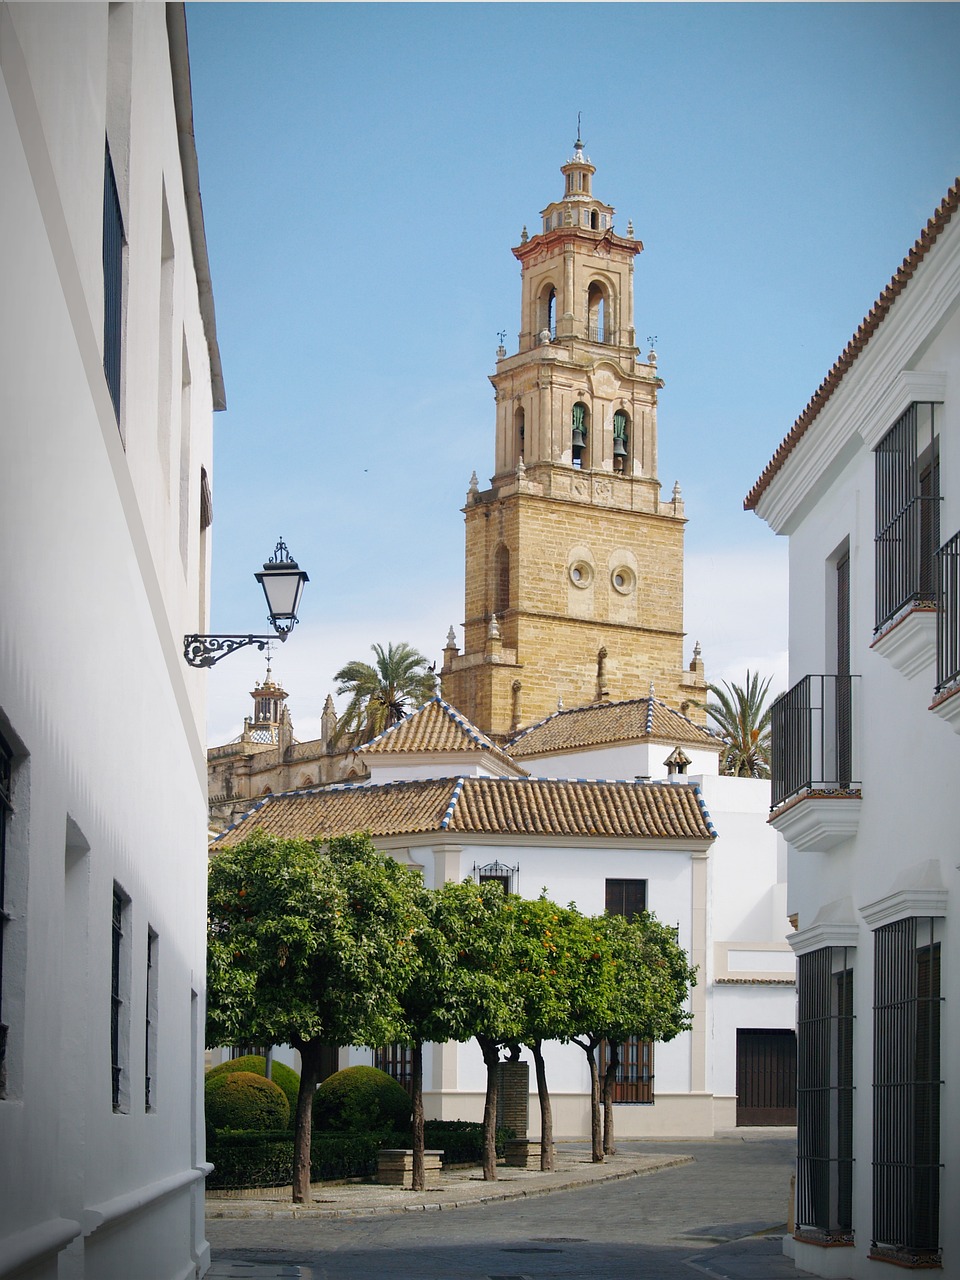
(825, 1095)
(117, 1001)
(907, 513)
(397, 1061)
(6, 808)
(906, 1093)
(496, 872)
(626, 898)
(150, 1027)
(634, 1079)
(113, 241)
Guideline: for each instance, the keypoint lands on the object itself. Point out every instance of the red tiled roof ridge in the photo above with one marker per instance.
(871, 322)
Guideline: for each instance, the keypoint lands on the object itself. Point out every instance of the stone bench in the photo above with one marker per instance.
(395, 1167)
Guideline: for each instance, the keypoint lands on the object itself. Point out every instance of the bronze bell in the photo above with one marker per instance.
(619, 447)
(578, 438)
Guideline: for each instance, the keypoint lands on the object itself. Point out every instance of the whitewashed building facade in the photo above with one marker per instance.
(866, 757)
(109, 373)
(584, 805)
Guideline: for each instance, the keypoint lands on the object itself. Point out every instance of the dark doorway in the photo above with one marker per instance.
(766, 1077)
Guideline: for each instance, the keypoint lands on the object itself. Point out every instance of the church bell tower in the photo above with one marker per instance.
(574, 563)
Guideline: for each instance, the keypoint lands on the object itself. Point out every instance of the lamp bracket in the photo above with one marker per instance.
(204, 651)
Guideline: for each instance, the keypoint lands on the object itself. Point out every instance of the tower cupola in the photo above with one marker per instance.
(578, 208)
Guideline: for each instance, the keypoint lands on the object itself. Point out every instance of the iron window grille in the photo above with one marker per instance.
(496, 872)
(633, 1082)
(6, 809)
(150, 1023)
(397, 1061)
(948, 613)
(906, 1093)
(907, 513)
(625, 898)
(113, 242)
(116, 998)
(812, 737)
(825, 1096)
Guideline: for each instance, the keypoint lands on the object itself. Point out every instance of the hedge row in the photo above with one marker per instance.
(265, 1159)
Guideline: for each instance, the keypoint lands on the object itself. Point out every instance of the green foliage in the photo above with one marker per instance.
(381, 695)
(280, 1074)
(265, 1159)
(361, 1100)
(245, 1100)
(461, 1141)
(742, 715)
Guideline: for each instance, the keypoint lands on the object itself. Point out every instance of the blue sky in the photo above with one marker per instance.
(365, 171)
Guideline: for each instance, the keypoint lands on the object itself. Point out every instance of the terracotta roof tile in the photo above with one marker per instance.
(435, 727)
(491, 806)
(608, 722)
(900, 279)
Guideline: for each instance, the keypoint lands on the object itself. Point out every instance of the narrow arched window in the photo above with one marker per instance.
(501, 580)
(548, 311)
(621, 440)
(596, 313)
(519, 424)
(578, 434)
(594, 220)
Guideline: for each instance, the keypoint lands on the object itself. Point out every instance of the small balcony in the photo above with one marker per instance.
(946, 700)
(815, 762)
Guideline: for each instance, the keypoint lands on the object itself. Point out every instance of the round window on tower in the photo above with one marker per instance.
(581, 573)
(623, 579)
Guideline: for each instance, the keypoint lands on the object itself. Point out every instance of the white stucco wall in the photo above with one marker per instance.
(905, 755)
(104, 717)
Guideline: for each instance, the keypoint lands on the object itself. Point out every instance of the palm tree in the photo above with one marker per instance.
(743, 718)
(380, 695)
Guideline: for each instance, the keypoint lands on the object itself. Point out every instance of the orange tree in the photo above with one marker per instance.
(634, 980)
(309, 945)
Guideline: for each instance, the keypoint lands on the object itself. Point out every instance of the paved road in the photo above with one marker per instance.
(700, 1218)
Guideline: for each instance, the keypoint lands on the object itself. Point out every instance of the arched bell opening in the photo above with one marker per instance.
(621, 441)
(579, 434)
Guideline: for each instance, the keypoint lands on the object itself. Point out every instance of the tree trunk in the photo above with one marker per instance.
(491, 1056)
(311, 1054)
(419, 1177)
(546, 1110)
(609, 1078)
(589, 1047)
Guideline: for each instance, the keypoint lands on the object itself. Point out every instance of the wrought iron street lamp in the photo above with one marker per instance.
(282, 580)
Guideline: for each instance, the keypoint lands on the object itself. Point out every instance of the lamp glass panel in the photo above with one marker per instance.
(283, 592)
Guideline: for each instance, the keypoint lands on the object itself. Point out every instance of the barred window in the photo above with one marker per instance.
(150, 1027)
(907, 512)
(825, 1095)
(497, 873)
(117, 1000)
(6, 808)
(397, 1061)
(906, 1093)
(634, 1079)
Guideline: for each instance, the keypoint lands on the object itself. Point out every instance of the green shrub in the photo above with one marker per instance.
(361, 1100)
(281, 1074)
(244, 1100)
(265, 1159)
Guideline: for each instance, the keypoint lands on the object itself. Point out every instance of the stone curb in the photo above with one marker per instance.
(451, 1197)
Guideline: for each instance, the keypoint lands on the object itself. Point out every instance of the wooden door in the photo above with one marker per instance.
(766, 1077)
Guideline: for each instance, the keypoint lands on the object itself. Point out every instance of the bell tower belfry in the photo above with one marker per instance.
(574, 563)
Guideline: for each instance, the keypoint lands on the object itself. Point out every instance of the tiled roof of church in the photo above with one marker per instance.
(871, 322)
(488, 806)
(435, 727)
(603, 723)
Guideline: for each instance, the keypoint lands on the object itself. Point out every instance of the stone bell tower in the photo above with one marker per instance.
(574, 563)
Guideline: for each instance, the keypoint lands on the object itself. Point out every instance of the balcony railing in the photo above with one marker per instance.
(948, 613)
(601, 333)
(812, 737)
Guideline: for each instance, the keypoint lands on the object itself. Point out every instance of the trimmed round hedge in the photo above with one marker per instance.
(244, 1100)
(361, 1100)
(281, 1074)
